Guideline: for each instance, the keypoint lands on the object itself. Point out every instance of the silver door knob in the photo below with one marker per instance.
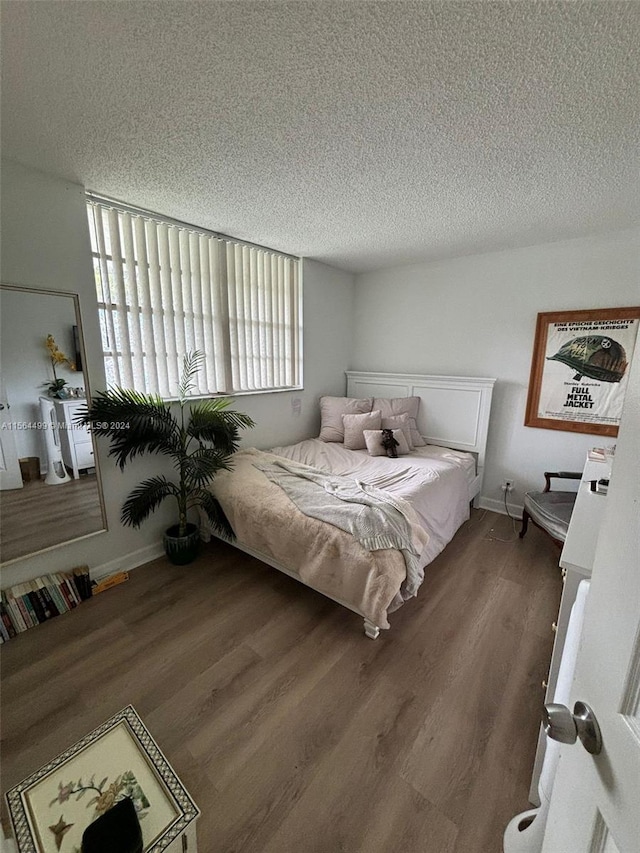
(561, 725)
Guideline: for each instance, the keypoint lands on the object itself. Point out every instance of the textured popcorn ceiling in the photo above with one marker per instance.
(360, 134)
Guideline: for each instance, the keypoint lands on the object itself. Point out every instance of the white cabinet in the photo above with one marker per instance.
(75, 439)
(576, 562)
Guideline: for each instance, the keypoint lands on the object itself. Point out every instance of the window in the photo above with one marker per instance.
(165, 288)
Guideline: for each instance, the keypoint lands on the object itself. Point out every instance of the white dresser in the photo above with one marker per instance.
(576, 562)
(75, 439)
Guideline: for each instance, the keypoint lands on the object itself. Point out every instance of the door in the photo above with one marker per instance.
(10, 476)
(595, 804)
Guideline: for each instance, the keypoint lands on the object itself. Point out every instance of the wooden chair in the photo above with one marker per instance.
(550, 510)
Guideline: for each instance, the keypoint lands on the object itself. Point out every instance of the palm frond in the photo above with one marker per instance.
(202, 465)
(139, 423)
(214, 512)
(145, 498)
(136, 423)
(117, 403)
(211, 421)
(191, 364)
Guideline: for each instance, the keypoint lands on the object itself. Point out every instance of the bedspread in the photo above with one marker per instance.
(323, 556)
(375, 518)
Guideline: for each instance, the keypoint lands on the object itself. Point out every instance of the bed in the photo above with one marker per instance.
(359, 528)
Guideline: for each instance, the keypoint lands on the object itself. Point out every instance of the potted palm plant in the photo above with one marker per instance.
(200, 441)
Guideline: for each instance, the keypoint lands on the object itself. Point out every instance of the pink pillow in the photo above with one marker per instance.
(331, 411)
(390, 406)
(354, 426)
(373, 440)
(402, 422)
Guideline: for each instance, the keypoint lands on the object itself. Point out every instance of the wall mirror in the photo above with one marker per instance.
(50, 490)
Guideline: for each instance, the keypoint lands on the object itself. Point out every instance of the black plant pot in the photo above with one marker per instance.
(182, 549)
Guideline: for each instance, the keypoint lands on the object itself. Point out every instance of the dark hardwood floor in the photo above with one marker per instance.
(31, 518)
(292, 731)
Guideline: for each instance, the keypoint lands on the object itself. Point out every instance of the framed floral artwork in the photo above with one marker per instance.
(51, 809)
(580, 369)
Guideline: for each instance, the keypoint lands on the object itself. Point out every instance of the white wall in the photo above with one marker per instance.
(475, 316)
(45, 243)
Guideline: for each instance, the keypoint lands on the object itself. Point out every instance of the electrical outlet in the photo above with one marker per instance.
(508, 485)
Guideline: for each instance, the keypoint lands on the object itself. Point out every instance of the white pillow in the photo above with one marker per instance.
(373, 440)
(354, 426)
(399, 405)
(402, 422)
(331, 411)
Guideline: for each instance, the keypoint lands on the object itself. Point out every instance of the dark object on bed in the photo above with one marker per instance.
(389, 443)
(550, 510)
(116, 831)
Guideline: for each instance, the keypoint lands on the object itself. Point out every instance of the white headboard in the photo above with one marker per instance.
(454, 410)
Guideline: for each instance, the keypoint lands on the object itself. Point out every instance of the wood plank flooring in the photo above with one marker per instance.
(293, 731)
(31, 518)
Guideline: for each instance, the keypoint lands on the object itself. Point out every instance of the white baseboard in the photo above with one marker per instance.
(128, 561)
(515, 510)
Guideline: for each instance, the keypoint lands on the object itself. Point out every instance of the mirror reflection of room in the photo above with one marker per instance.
(49, 488)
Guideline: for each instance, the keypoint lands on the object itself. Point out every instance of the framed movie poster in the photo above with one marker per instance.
(580, 369)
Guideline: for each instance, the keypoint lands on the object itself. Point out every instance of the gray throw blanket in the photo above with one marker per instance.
(375, 518)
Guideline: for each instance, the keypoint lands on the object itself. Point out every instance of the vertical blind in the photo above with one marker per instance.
(165, 289)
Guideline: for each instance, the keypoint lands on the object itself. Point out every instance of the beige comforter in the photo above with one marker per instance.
(322, 556)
